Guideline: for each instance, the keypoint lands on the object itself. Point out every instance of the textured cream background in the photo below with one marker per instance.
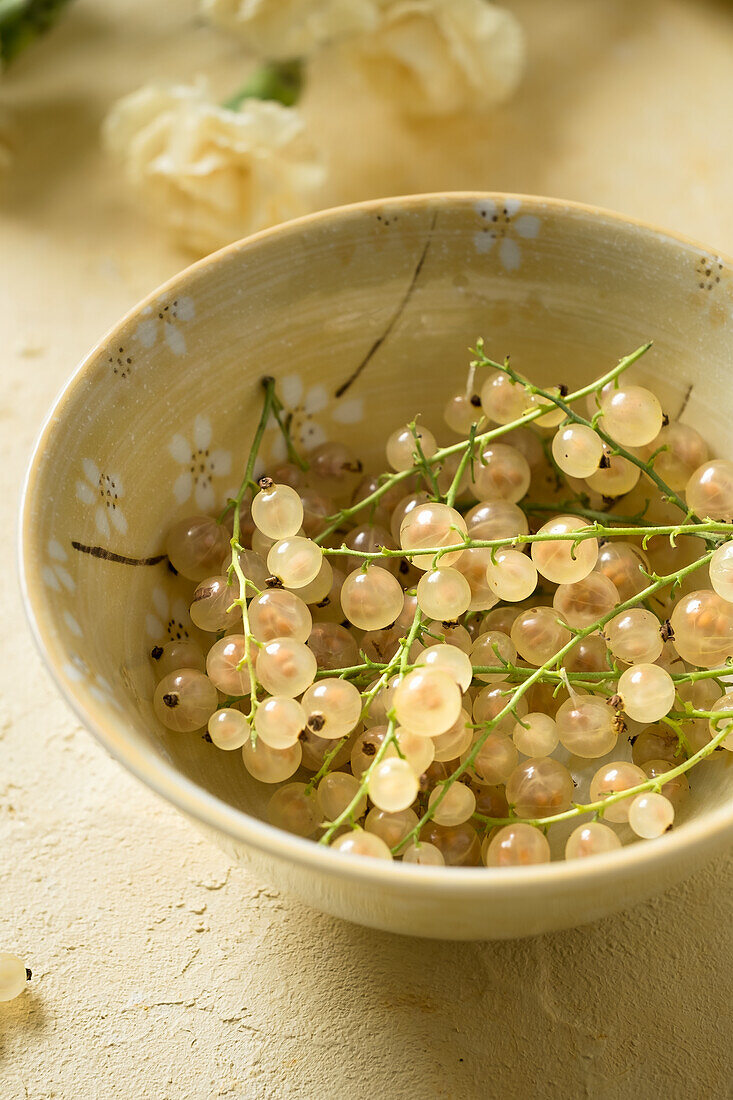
(158, 973)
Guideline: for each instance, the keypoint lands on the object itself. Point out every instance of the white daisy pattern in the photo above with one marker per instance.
(164, 321)
(202, 465)
(504, 223)
(78, 671)
(169, 619)
(302, 407)
(54, 573)
(105, 491)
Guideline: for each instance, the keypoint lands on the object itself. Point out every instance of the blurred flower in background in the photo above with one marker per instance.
(283, 29)
(443, 56)
(213, 174)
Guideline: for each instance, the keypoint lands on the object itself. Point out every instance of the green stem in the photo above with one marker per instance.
(389, 737)
(594, 531)
(655, 784)
(534, 677)
(485, 437)
(281, 81)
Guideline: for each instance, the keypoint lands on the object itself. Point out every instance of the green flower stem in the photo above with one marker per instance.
(389, 737)
(22, 21)
(600, 805)
(281, 81)
(336, 520)
(534, 677)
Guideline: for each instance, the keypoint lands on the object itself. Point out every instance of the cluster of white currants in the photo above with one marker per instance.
(423, 671)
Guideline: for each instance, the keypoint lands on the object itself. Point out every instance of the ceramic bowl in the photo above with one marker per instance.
(364, 314)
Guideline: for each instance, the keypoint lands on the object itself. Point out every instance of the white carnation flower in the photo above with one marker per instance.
(213, 174)
(284, 29)
(443, 56)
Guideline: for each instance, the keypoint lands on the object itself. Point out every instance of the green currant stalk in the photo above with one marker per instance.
(536, 674)
(440, 455)
(616, 448)
(389, 737)
(655, 784)
(710, 531)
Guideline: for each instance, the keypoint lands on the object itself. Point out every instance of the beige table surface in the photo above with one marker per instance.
(158, 972)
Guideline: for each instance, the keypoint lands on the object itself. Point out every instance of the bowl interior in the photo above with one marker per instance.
(364, 315)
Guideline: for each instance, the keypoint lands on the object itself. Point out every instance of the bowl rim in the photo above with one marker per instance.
(206, 808)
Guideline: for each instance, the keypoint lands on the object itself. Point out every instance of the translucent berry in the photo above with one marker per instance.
(333, 646)
(402, 447)
(285, 666)
(538, 634)
(212, 608)
(502, 399)
(634, 636)
(457, 804)
(455, 741)
(195, 546)
(423, 853)
(559, 560)
(702, 625)
(332, 708)
(294, 809)
(427, 701)
(709, 491)
(296, 561)
(584, 602)
(540, 787)
(612, 779)
(496, 759)
(185, 700)
(496, 519)
(443, 593)
(357, 842)
(226, 665)
(492, 649)
(392, 828)
(279, 614)
(271, 765)
(647, 692)
(449, 659)
(536, 735)
(650, 815)
(371, 599)
(577, 450)
(516, 846)
(473, 565)
(586, 727)
(721, 571)
(511, 575)
(615, 477)
(632, 415)
(436, 526)
(277, 511)
(228, 728)
(13, 976)
(393, 784)
(591, 839)
(336, 792)
(500, 472)
(460, 413)
(172, 656)
(279, 721)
